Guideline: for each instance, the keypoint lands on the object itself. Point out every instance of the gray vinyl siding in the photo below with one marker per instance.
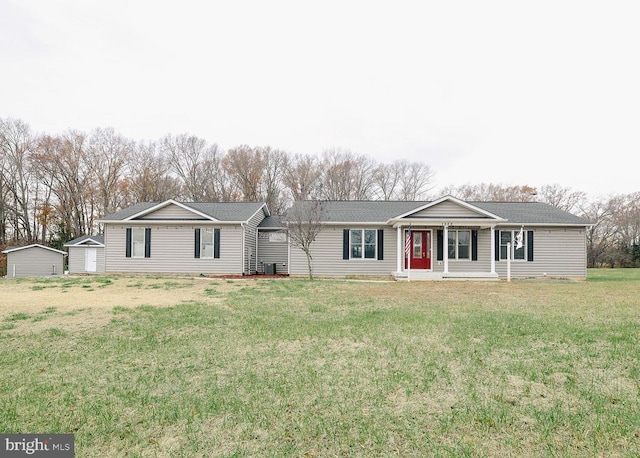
(170, 212)
(272, 252)
(34, 262)
(172, 250)
(447, 210)
(482, 265)
(250, 242)
(327, 255)
(558, 252)
(77, 259)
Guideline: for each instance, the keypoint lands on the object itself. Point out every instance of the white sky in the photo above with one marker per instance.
(508, 92)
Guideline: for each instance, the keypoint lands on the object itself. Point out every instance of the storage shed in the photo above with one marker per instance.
(86, 254)
(34, 261)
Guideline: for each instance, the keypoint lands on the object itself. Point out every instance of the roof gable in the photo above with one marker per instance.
(87, 240)
(34, 245)
(448, 207)
(170, 210)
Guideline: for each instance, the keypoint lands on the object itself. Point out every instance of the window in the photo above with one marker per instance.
(459, 244)
(511, 237)
(207, 243)
(138, 242)
(362, 243)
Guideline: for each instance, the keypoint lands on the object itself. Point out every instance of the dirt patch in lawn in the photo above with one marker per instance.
(79, 303)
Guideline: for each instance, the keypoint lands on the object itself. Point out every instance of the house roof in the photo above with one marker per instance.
(531, 213)
(85, 239)
(383, 211)
(272, 222)
(221, 211)
(34, 245)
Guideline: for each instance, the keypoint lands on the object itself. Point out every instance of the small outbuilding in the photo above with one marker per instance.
(34, 261)
(86, 254)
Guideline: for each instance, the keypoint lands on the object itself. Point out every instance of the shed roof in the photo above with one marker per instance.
(85, 239)
(33, 245)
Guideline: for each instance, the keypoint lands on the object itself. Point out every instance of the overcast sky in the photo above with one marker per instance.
(508, 92)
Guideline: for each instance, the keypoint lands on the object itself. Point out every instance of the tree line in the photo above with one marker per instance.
(54, 187)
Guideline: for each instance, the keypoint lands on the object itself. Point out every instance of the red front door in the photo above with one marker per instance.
(420, 246)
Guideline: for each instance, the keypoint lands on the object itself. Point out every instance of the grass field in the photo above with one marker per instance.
(159, 366)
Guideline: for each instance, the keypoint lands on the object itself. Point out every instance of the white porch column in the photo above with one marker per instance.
(493, 249)
(445, 247)
(399, 250)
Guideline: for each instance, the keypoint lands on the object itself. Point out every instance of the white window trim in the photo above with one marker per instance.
(457, 243)
(204, 231)
(362, 245)
(133, 241)
(514, 232)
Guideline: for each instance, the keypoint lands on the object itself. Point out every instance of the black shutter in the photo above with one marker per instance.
(196, 244)
(529, 245)
(147, 242)
(128, 242)
(345, 244)
(497, 245)
(380, 245)
(440, 244)
(216, 243)
(474, 245)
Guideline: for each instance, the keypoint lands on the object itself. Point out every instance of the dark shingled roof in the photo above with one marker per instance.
(222, 211)
(381, 211)
(272, 222)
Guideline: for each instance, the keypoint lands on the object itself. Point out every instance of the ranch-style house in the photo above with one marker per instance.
(439, 239)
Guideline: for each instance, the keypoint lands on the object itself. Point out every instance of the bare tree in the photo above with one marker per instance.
(346, 176)
(149, 178)
(387, 180)
(108, 154)
(493, 192)
(246, 166)
(16, 145)
(561, 197)
(187, 155)
(304, 223)
(220, 186)
(275, 165)
(302, 176)
(64, 159)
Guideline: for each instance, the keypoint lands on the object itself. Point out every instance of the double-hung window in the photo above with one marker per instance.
(206, 243)
(511, 238)
(362, 243)
(459, 244)
(138, 242)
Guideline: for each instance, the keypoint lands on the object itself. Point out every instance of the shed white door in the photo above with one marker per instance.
(91, 259)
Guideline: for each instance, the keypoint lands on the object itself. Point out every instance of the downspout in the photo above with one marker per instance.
(288, 254)
(493, 250)
(257, 253)
(243, 248)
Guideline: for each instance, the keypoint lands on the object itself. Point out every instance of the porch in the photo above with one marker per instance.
(426, 275)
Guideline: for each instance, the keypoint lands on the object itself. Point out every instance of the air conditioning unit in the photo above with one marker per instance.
(270, 269)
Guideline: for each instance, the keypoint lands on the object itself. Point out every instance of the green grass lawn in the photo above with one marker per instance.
(333, 368)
